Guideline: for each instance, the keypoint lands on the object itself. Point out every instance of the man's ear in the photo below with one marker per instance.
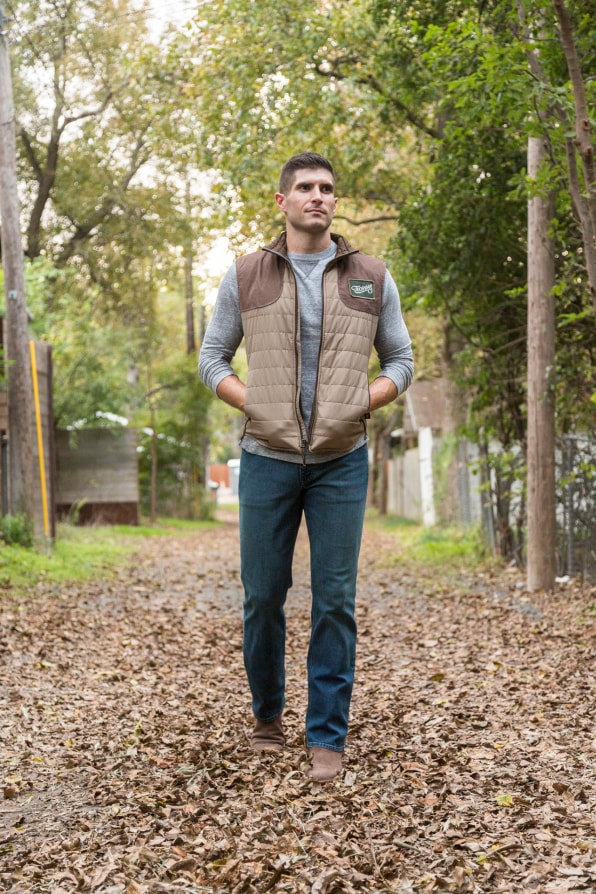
(281, 200)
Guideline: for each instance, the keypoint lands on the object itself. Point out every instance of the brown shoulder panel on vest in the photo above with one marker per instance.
(260, 277)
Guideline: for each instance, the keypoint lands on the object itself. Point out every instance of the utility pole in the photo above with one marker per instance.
(16, 355)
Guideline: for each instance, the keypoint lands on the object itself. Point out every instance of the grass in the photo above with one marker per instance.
(449, 547)
(82, 553)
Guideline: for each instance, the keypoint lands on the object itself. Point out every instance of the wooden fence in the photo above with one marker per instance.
(43, 362)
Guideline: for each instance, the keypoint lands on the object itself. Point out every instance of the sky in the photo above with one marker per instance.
(170, 12)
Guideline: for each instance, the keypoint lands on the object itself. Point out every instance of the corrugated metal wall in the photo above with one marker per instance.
(97, 475)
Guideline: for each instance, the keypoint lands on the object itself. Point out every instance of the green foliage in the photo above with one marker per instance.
(416, 547)
(427, 110)
(176, 427)
(16, 530)
(82, 553)
(450, 547)
(464, 239)
(88, 132)
(267, 80)
(104, 169)
(103, 165)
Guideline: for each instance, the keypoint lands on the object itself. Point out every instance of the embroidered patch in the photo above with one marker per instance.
(362, 288)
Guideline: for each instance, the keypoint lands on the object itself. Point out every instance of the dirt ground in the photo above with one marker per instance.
(470, 767)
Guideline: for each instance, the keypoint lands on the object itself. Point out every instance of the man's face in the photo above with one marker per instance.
(310, 203)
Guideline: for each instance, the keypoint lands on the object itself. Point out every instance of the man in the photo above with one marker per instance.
(310, 308)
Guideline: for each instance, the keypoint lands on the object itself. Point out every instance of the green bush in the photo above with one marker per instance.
(16, 530)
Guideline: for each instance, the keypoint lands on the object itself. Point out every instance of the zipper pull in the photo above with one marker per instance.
(304, 449)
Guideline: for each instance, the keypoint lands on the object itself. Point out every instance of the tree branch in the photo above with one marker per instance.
(584, 206)
(368, 80)
(368, 220)
(85, 229)
(582, 141)
(30, 152)
(45, 173)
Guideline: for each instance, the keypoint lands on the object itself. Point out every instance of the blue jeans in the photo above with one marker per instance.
(273, 496)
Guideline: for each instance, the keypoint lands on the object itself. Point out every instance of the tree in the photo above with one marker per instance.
(583, 195)
(18, 371)
(86, 119)
(471, 88)
(175, 442)
(541, 552)
(104, 157)
(426, 107)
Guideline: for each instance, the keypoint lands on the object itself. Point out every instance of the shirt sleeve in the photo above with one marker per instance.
(224, 334)
(392, 341)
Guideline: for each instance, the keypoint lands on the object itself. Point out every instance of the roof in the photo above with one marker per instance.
(425, 406)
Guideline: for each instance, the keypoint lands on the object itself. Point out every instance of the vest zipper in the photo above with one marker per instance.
(332, 263)
(297, 357)
(298, 360)
(313, 417)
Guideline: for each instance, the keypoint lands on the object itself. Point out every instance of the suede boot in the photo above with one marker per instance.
(268, 736)
(326, 764)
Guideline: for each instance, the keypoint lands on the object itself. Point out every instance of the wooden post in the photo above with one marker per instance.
(18, 369)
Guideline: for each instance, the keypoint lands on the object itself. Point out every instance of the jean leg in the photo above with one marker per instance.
(335, 502)
(270, 514)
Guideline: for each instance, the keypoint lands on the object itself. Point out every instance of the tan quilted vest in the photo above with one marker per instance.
(352, 294)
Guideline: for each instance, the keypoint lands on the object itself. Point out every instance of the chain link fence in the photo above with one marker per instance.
(576, 507)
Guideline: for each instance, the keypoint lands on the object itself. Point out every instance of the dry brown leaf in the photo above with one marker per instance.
(125, 733)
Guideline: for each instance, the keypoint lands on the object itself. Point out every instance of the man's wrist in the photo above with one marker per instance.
(382, 392)
(233, 392)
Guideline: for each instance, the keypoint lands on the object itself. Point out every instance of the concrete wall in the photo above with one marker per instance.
(404, 496)
(412, 491)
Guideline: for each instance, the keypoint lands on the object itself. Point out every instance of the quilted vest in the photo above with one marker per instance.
(351, 303)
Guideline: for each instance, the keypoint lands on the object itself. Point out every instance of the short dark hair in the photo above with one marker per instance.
(299, 163)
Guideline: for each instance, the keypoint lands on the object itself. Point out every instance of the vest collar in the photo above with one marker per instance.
(279, 246)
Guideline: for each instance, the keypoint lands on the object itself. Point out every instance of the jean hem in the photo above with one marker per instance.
(269, 719)
(325, 745)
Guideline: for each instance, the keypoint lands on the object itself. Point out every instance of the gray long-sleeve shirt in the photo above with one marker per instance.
(225, 332)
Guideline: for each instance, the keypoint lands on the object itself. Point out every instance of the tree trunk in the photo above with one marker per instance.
(381, 451)
(17, 357)
(153, 495)
(541, 399)
(191, 341)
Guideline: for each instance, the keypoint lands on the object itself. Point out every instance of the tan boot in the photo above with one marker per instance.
(268, 736)
(326, 764)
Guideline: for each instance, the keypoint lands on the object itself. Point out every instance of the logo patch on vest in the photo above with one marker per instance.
(362, 288)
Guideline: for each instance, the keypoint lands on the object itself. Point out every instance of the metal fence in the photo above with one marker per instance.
(475, 488)
(576, 507)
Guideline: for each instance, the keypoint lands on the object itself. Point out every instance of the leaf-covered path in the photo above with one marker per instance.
(471, 762)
